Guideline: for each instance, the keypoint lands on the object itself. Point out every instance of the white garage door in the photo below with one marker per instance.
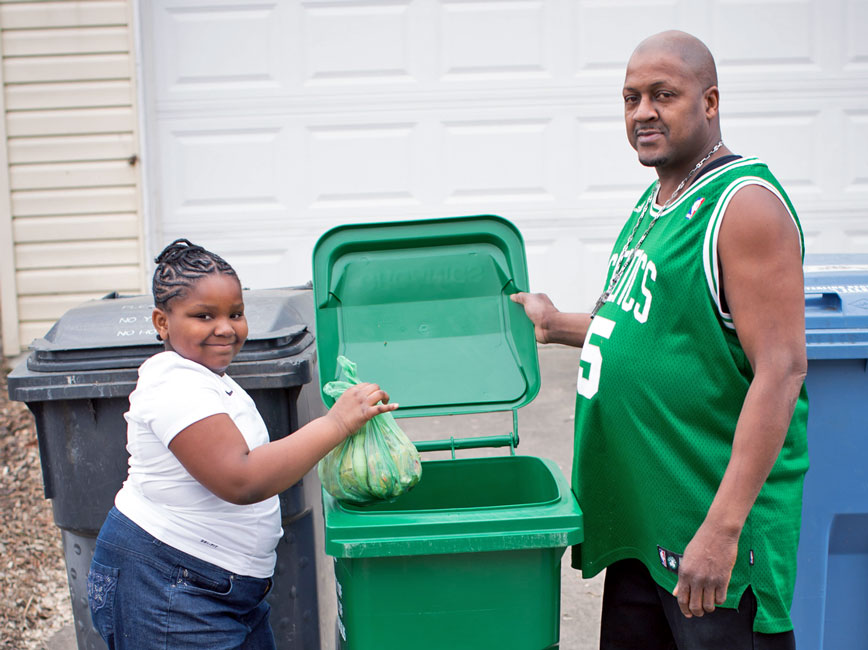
(268, 122)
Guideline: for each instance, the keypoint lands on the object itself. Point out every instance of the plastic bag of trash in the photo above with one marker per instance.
(379, 462)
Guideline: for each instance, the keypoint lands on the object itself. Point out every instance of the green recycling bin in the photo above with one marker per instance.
(470, 557)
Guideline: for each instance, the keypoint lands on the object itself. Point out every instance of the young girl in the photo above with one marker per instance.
(185, 557)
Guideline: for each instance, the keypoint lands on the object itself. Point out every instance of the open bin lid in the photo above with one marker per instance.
(423, 308)
(836, 306)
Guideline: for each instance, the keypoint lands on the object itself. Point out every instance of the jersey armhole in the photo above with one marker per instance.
(710, 258)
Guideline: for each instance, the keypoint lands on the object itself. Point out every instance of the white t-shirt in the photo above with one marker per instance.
(163, 498)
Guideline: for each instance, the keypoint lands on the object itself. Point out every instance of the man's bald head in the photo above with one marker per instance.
(671, 103)
(696, 57)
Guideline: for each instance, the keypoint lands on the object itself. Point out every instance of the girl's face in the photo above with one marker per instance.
(207, 323)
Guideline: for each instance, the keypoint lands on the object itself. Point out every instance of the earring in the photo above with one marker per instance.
(159, 338)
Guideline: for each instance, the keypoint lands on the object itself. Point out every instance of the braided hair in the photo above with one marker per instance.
(180, 265)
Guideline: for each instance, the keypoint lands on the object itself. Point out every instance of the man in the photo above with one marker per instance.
(690, 446)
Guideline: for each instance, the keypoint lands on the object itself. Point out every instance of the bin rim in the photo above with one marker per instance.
(554, 524)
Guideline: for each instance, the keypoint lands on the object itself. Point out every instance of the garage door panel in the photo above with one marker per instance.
(354, 165)
(856, 45)
(262, 260)
(858, 239)
(599, 49)
(838, 235)
(357, 43)
(246, 39)
(761, 41)
(608, 168)
(855, 171)
(264, 265)
(503, 159)
(790, 143)
(238, 168)
(494, 40)
(577, 279)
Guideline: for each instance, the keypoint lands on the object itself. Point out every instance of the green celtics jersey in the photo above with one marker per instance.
(661, 383)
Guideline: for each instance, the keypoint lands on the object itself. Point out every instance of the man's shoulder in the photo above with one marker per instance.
(740, 172)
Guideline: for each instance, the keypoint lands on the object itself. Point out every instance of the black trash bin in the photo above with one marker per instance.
(77, 380)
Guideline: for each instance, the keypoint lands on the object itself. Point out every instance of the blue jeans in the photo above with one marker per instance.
(145, 595)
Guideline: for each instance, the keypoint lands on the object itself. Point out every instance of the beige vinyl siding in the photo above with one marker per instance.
(74, 94)
(72, 152)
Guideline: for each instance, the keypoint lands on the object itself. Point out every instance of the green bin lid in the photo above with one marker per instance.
(423, 308)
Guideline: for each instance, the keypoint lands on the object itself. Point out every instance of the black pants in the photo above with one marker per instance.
(638, 614)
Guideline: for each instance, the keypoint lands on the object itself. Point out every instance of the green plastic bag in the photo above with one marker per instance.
(379, 462)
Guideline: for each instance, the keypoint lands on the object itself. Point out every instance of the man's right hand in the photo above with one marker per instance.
(539, 308)
(550, 325)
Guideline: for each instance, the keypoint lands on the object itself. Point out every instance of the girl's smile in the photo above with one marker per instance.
(207, 323)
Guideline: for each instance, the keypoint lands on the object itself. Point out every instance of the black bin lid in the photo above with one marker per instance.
(95, 349)
(116, 332)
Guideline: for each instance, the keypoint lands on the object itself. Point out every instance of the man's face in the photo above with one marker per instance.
(664, 110)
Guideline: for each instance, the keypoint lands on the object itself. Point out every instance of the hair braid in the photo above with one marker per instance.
(179, 266)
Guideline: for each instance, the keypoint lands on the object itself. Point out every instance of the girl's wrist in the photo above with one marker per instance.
(340, 429)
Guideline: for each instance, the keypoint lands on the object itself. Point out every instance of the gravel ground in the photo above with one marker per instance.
(35, 599)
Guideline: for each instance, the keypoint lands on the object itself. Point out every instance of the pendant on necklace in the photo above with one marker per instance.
(600, 302)
(621, 265)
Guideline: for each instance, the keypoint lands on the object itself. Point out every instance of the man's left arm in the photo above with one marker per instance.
(761, 270)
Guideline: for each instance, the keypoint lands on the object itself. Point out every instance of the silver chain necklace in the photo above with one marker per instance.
(627, 253)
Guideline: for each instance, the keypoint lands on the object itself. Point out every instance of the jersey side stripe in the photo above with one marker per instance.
(712, 232)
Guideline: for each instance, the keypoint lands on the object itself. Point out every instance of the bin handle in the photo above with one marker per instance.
(452, 443)
(513, 442)
(823, 300)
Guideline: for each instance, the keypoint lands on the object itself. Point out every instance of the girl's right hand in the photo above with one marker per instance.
(357, 405)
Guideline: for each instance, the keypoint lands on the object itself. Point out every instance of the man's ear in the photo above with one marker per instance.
(161, 323)
(711, 97)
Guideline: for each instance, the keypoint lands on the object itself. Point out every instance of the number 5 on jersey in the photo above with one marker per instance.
(592, 357)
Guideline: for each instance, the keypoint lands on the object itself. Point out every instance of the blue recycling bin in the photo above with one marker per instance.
(830, 604)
